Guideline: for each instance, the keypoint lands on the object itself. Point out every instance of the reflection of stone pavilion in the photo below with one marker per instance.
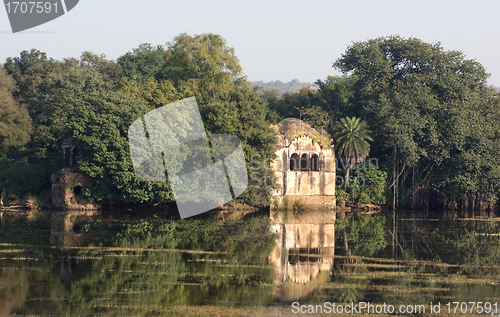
(66, 234)
(303, 251)
(305, 164)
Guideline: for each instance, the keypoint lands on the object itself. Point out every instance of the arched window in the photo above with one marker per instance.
(304, 162)
(294, 162)
(315, 162)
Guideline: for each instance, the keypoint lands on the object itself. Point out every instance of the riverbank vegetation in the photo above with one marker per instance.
(94, 100)
(433, 120)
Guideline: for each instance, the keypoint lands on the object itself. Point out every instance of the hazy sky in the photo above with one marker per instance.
(274, 40)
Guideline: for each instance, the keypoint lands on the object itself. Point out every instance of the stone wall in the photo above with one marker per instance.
(66, 190)
(305, 166)
(308, 183)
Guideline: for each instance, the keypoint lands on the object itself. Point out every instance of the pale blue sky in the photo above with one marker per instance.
(274, 40)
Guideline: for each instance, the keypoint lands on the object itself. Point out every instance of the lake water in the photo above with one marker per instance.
(56, 265)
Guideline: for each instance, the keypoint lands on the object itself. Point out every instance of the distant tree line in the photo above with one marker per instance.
(282, 88)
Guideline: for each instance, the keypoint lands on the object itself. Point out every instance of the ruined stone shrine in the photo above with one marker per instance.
(66, 184)
(305, 164)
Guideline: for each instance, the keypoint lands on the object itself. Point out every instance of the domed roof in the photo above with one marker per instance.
(292, 128)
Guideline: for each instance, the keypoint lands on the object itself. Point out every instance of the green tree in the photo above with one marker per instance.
(430, 111)
(317, 117)
(274, 100)
(15, 123)
(351, 136)
(242, 112)
(204, 66)
(108, 68)
(82, 102)
(88, 100)
(228, 105)
(86, 106)
(205, 59)
(295, 105)
(154, 94)
(339, 97)
(145, 63)
(28, 172)
(29, 69)
(370, 183)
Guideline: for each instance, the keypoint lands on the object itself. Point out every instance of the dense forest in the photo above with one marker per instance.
(433, 121)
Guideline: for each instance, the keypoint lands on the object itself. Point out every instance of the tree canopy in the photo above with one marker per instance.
(433, 118)
(94, 100)
(205, 59)
(431, 108)
(144, 62)
(15, 123)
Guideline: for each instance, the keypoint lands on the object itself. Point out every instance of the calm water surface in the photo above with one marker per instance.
(140, 269)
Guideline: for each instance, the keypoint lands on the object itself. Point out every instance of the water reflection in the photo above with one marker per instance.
(53, 267)
(65, 271)
(14, 288)
(66, 235)
(302, 252)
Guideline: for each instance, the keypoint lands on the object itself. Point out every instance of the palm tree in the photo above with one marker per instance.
(351, 136)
